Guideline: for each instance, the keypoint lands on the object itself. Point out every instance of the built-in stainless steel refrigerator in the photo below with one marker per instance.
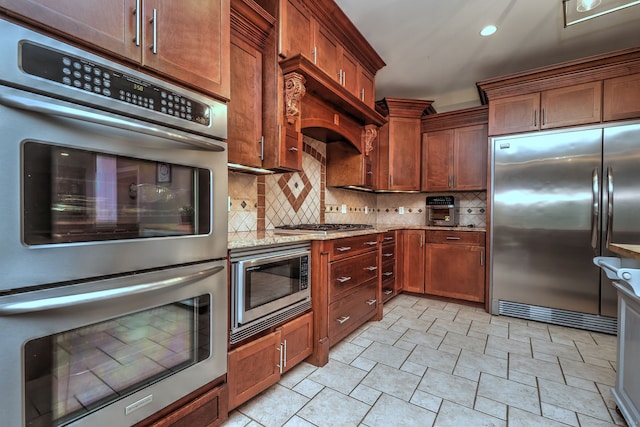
(557, 198)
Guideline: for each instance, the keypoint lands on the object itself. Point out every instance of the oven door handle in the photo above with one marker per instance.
(56, 298)
(39, 104)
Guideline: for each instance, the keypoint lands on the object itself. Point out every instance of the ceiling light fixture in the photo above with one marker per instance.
(489, 30)
(576, 11)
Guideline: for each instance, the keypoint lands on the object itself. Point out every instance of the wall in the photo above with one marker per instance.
(262, 202)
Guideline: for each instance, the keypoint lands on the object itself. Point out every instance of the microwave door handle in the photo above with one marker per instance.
(39, 104)
(50, 299)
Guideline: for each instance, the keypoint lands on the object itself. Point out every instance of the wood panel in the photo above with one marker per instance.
(572, 105)
(349, 313)
(471, 146)
(348, 273)
(413, 260)
(207, 410)
(455, 271)
(437, 160)
(298, 336)
(515, 114)
(622, 98)
(296, 29)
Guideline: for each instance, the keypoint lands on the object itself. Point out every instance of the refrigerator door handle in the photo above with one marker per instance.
(595, 208)
(609, 205)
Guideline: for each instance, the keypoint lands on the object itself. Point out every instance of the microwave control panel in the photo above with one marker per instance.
(304, 272)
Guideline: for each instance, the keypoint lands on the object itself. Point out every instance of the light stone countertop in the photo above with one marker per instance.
(624, 250)
(247, 239)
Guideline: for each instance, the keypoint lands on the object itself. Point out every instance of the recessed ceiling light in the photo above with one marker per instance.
(488, 30)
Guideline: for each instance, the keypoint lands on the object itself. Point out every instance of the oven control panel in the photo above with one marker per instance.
(90, 77)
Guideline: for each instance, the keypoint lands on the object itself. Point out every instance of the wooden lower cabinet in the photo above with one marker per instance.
(351, 311)
(388, 255)
(413, 260)
(455, 265)
(207, 410)
(256, 366)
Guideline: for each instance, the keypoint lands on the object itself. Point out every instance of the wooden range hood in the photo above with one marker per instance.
(327, 111)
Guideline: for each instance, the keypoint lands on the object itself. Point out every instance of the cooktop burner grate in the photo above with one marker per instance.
(321, 228)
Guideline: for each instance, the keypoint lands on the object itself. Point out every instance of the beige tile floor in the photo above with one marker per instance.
(430, 363)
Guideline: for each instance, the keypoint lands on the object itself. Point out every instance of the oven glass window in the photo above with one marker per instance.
(73, 195)
(271, 281)
(71, 374)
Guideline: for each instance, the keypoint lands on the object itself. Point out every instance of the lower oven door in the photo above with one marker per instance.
(112, 352)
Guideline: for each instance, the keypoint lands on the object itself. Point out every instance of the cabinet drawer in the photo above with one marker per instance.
(348, 273)
(456, 237)
(348, 313)
(388, 252)
(209, 409)
(352, 245)
(388, 271)
(389, 238)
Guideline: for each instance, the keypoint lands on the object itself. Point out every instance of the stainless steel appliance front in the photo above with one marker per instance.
(92, 184)
(558, 198)
(112, 351)
(268, 286)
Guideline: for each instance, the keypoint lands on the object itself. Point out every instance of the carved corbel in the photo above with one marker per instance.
(369, 135)
(294, 90)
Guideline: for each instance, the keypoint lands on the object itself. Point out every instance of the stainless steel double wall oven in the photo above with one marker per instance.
(113, 297)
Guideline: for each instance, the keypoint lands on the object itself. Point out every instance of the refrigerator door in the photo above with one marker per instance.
(544, 224)
(621, 198)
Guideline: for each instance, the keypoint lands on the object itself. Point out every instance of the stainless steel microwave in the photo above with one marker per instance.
(268, 285)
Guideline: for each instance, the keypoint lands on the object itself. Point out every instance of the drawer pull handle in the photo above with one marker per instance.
(372, 301)
(343, 279)
(371, 268)
(293, 149)
(371, 243)
(388, 273)
(387, 255)
(343, 319)
(344, 248)
(387, 238)
(453, 238)
(388, 292)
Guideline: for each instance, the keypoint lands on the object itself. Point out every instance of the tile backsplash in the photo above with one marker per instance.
(267, 201)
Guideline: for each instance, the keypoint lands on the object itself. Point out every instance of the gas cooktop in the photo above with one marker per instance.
(320, 228)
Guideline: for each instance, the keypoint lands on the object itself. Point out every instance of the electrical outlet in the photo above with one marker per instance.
(366, 210)
(343, 209)
(401, 210)
(229, 204)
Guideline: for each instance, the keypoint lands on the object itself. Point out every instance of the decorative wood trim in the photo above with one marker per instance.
(369, 136)
(592, 68)
(251, 23)
(455, 119)
(329, 90)
(294, 90)
(403, 107)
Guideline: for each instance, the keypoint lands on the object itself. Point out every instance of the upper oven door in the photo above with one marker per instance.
(88, 193)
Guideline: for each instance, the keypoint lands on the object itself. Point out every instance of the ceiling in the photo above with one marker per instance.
(433, 49)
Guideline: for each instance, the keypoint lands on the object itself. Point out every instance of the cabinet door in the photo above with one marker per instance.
(349, 73)
(367, 91)
(455, 271)
(622, 98)
(297, 340)
(253, 368)
(437, 158)
(189, 41)
(326, 53)
(413, 260)
(290, 149)
(404, 154)
(296, 29)
(245, 107)
(515, 114)
(573, 105)
(470, 158)
(108, 26)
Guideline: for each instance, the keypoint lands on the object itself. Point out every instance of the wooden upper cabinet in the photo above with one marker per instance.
(326, 52)
(399, 144)
(349, 73)
(367, 88)
(572, 105)
(296, 30)
(470, 158)
(514, 114)
(191, 37)
(437, 160)
(245, 107)
(192, 42)
(622, 98)
(454, 150)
